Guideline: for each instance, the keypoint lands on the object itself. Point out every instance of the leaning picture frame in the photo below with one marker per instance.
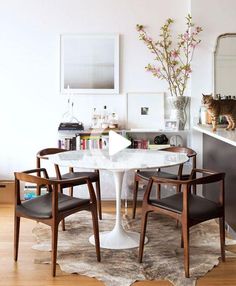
(145, 110)
(89, 63)
(171, 125)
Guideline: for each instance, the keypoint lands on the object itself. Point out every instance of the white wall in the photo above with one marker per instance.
(216, 17)
(31, 106)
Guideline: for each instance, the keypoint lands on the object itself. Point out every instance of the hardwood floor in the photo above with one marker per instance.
(25, 272)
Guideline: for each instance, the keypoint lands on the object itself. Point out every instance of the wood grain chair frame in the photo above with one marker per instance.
(186, 207)
(52, 207)
(144, 175)
(94, 176)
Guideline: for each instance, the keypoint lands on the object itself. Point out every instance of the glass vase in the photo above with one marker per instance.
(178, 112)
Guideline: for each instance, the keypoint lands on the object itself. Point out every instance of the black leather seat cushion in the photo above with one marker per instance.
(148, 174)
(199, 208)
(41, 207)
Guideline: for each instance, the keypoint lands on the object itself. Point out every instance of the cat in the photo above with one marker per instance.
(226, 107)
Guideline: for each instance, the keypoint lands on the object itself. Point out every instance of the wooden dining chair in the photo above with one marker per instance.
(145, 175)
(52, 207)
(186, 207)
(93, 176)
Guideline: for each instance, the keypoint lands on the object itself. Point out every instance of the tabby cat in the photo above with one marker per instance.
(226, 107)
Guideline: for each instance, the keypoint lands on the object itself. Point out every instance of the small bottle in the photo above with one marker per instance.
(94, 119)
(113, 120)
(209, 119)
(104, 122)
(203, 115)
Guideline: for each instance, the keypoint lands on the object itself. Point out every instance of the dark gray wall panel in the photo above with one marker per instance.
(220, 156)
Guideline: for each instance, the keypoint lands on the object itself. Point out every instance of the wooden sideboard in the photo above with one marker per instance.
(6, 191)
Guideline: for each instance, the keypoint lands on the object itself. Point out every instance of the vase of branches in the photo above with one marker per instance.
(173, 62)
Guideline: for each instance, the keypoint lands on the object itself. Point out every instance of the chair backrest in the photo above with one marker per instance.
(42, 155)
(177, 149)
(38, 177)
(197, 177)
(188, 151)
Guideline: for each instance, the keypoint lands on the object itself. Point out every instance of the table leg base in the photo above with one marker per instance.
(118, 240)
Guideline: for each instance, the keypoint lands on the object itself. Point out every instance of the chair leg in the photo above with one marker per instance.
(16, 237)
(182, 239)
(222, 237)
(96, 232)
(194, 189)
(98, 194)
(63, 225)
(142, 235)
(178, 190)
(54, 248)
(71, 191)
(186, 248)
(135, 194)
(158, 191)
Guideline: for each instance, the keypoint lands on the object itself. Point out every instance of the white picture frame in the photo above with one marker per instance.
(171, 125)
(89, 63)
(145, 110)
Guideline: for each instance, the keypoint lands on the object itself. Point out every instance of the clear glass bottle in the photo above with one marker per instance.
(203, 115)
(104, 123)
(94, 119)
(113, 120)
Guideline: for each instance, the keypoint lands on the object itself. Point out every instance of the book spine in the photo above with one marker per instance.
(77, 144)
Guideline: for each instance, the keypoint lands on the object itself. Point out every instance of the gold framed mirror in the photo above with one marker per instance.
(225, 65)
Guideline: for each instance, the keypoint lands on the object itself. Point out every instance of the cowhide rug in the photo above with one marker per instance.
(162, 260)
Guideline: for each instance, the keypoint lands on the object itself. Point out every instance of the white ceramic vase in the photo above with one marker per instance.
(178, 112)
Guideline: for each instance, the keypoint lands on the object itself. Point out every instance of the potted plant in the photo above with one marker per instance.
(173, 61)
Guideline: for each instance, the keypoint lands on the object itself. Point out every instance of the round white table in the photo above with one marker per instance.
(127, 159)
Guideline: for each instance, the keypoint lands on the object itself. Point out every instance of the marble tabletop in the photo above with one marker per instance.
(127, 159)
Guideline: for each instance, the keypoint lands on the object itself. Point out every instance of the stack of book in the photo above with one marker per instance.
(158, 146)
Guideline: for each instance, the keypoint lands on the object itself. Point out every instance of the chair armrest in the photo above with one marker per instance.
(77, 181)
(70, 182)
(167, 181)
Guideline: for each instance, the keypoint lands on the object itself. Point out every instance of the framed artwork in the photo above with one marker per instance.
(145, 110)
(89, 63)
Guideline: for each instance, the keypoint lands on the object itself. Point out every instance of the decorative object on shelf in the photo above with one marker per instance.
(113, 121)
(105, 120)
(71, 126)
(216, 108)
(202, 115)
(176, 140)
(145, 110)
(68, 116)
(178, 110)
(171, 125)
(174, 63)
(161, 139)
(139, 144)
